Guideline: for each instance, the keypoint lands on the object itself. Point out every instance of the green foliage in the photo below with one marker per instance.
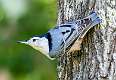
(24, 62)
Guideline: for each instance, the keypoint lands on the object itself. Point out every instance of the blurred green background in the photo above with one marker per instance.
(20, 20)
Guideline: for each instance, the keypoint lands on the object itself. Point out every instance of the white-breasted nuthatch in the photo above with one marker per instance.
(63, 38)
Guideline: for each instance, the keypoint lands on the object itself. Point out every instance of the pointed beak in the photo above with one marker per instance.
(24, 42)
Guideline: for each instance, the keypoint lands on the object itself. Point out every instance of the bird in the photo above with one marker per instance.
(66, 37)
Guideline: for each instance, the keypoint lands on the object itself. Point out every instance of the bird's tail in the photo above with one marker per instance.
(87, 23)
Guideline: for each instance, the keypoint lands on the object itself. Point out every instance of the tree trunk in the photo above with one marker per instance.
(97, 58)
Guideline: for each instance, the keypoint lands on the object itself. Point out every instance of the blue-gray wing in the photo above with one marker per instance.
(67, 34)
(59, 36)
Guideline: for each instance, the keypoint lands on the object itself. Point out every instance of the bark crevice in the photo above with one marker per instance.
(97, 58)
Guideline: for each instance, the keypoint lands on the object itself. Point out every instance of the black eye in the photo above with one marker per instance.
(34, 40)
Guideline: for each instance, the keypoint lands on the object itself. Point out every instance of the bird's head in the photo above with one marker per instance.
(39, 43)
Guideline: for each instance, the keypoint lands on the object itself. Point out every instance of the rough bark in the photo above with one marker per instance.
(97, 58)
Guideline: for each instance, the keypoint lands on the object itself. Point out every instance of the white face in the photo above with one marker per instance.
(40, 44)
